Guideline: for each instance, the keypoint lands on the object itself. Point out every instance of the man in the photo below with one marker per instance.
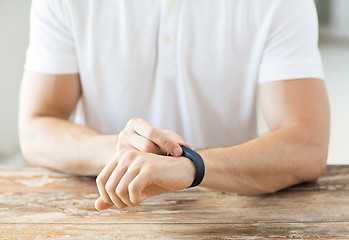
(135, 67)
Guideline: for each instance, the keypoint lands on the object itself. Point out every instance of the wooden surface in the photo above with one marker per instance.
(36, 203)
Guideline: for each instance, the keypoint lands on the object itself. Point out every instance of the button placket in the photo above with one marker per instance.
(170, 3)
(167, 59)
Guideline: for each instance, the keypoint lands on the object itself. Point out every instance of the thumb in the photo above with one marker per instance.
(101, 205)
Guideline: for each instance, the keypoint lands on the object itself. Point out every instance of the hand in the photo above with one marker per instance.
(142, 136)
(133, 176)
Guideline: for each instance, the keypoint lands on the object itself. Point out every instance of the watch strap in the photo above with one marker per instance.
(199, 164)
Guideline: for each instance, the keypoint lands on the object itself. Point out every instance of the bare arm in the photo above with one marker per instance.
(48, 138)
(295, 151)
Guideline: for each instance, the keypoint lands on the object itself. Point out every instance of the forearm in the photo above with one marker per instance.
(59, 144)
(269, 163)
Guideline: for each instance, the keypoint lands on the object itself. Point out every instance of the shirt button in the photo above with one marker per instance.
(167, 39)
(170, 3)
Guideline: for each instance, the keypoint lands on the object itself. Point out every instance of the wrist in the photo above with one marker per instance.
(107, 150)
(190, 170)
(198, 162)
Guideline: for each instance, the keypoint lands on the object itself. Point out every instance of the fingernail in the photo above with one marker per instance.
(177, 151)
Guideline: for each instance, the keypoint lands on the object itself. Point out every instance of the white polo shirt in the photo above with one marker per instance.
(192, 66)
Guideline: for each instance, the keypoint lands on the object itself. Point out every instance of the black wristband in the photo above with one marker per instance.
(199, 164)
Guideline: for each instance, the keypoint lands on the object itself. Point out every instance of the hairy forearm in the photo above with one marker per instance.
(269, 163)
(64, 146)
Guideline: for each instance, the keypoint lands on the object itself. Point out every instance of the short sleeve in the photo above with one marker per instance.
(51, 46)
(291, 50)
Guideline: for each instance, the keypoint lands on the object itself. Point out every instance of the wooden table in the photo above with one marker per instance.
(42, 204)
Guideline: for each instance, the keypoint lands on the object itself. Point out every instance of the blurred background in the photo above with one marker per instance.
(334, 46)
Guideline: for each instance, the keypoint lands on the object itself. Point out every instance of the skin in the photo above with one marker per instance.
(132, 165)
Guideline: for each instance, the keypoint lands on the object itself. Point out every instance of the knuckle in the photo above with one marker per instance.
(135, 199)
(121, 206)
(117, 155)
(121, 191)
(129, 155)
(110, 188)
(121, 153)
(124, 162)
(133, 121)
(100, 180)
(167, 144)
(124, 137)
(138, 163)
(132, 188)
(122, 134)
(151, 133)
(148, 148)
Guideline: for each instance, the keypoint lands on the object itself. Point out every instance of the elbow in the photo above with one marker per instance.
(27, 143)
(314, 164)
(29, 156)
(316, 168)
(27, 151)
(313, 154)
(312, 168)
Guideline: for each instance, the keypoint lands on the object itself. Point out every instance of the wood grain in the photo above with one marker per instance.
(39, 203)
(178, 231)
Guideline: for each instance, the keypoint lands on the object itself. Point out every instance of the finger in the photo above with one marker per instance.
(179, 139)
(124, 140)
(136, 187)
(103, 177)
(122, 188)
(157, 136)
(101, 205)
(112, 183)
(145, 145)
